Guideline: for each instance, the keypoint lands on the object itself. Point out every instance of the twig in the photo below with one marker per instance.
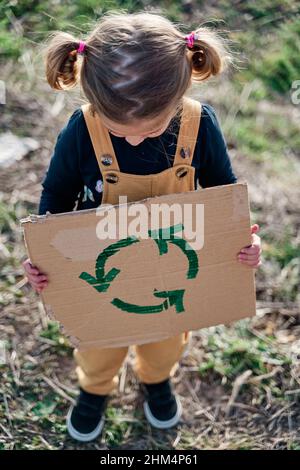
(58, 390)
(289, 309)
(7, 410)
(6, 431)
(259, 378)
(292, 392)
(47, 341)
(176, 440)
(72, 391)
(123, 378)
(279, 412)
(238, 383)
(243, 406)
(15, 367)
(21, 283)
(45, 442)
(196, 399)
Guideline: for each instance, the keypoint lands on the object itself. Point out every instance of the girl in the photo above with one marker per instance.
(140, 130)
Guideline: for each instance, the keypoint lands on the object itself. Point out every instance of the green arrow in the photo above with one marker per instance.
(190, 254)
(160, 237)
(173, 297)
(102, 284)
(165, 234)
(102, 281)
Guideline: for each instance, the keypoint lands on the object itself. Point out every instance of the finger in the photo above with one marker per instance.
(29, 268)
(255, 239)
(251, 263)
(37, 279)
(254, 228)
(38, 283)
(39, 289)
(40, 286)
(33, 270)
(252, 251)
(255, 265)
(248, 257)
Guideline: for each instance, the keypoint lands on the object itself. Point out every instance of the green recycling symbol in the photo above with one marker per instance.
(101, 281)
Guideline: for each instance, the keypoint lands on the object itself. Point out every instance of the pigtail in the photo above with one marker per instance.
(209, 55)
(61, 60)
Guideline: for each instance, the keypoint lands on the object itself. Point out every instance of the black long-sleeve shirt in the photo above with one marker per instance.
(74, 181)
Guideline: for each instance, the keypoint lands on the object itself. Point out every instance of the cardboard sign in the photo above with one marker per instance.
(132, 290)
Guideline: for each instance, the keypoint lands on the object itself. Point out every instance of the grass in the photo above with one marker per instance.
(267, 139)
(56, 339)
(260, 123)
(118, 426)
(229, 353)
(226, 354)
(280, 67)
(267, 52)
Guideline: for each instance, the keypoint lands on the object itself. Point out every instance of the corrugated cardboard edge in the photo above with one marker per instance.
(126, 341)
(237, 210)
(35, 218)
(48, 309)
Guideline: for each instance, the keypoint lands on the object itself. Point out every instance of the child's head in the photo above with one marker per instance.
(135, 69)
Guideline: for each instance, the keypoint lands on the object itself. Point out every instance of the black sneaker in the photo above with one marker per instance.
(162, 407)
(85, 420)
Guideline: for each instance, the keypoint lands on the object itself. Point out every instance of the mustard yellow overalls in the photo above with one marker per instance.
(98, 368)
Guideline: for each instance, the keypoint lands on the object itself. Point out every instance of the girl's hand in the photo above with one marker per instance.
(37, 279)
(250, 255)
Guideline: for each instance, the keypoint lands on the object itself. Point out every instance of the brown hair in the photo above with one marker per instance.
(134, 65)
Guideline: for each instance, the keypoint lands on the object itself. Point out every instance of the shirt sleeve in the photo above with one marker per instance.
(62, 181)
(215, 165)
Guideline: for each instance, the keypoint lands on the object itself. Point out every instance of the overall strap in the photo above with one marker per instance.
(188, 132)
(101, 140)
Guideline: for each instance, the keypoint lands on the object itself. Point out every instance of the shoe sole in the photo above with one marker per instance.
(78, 436)
(156, 423)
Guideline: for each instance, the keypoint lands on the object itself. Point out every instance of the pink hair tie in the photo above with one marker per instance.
(190, 38)
(81, 47)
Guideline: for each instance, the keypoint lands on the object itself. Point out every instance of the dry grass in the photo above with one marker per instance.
(240, 385)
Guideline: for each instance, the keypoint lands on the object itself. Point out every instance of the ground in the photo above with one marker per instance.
(239, 384)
